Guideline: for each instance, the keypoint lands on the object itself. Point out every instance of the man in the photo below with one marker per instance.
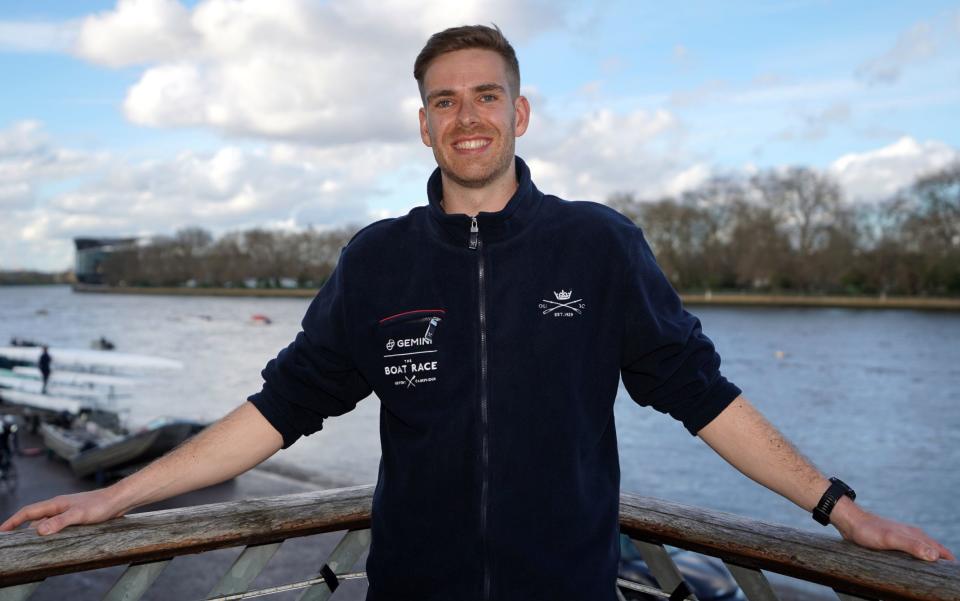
(44, 364)
(494, 325)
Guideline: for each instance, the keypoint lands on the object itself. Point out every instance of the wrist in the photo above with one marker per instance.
(119, 497)
(836, 490)
(845, 515)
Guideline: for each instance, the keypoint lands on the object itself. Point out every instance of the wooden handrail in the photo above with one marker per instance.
(137, 538)
(813, 557)
(27, 557)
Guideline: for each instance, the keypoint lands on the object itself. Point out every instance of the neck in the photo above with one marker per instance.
(489, 199)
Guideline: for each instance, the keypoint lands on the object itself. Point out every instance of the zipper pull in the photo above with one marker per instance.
(430, 328)
(474, 233)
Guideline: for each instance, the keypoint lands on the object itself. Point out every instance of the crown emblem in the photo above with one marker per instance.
(563, 295)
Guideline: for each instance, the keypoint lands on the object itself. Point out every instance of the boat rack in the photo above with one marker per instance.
(147, 542)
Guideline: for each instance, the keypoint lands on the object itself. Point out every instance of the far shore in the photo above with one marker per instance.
(744, 299)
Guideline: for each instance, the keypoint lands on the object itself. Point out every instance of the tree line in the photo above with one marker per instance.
(256, 258)
(780, 231)
(793, 231)
(32, 278)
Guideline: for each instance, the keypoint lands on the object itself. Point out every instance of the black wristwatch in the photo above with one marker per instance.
(837, 489)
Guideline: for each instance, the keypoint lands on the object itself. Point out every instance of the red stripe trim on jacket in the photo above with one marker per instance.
(411, 312)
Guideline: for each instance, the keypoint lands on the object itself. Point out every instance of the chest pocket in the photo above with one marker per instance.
(411, 345)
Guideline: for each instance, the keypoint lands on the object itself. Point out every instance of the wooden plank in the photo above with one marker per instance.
(815, 557)
(143, 537)
(135, 581)
(245, 569)
(341, 560)
(660, 565)
(753, 583)
(20, 592)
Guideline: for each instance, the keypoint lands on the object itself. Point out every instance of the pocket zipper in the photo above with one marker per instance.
(431, 327)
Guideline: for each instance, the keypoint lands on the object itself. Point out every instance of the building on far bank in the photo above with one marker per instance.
(91, 253)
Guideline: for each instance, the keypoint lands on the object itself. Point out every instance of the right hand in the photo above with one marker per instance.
(53, 515)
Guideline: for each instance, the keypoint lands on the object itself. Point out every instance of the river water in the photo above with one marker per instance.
(872, 396)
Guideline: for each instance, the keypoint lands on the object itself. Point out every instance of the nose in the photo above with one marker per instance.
(467, 114)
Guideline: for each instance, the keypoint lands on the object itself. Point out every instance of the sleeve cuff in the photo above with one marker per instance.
(712, 402)
(270, 410)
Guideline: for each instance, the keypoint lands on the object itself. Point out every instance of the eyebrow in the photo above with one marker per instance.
(484, 87)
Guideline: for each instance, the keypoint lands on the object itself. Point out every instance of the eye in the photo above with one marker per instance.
(443, 103)
(488, 98)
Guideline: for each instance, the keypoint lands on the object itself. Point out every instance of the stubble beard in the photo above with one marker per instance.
(485, 179)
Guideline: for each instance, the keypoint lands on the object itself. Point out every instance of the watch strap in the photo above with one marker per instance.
(838, 488)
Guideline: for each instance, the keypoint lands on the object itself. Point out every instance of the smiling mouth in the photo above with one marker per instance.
(472, 144)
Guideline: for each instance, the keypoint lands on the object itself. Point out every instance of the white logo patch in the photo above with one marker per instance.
(412, 361)
(563, 306)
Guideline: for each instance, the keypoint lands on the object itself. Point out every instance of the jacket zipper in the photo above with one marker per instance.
(477, 244)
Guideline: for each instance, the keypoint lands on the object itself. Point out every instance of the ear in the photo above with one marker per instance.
(521, 107)
(424, 128)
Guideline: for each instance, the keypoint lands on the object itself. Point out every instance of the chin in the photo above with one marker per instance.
(474, 173)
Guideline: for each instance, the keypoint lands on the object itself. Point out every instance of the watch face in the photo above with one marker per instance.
(845, 489)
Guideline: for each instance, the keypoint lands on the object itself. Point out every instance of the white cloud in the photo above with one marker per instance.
(29, 159)
(232, 188)
(689, 178)
(136, 32)
(879, 173)
(27, 36)
(326, 74)
(593, 156)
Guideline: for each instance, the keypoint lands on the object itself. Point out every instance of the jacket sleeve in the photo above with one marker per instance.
(314, 377)
(667, 362)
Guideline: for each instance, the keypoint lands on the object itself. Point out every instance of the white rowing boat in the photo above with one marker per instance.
(42, 402)
(83, 394)
(73, 378)
(90, 360)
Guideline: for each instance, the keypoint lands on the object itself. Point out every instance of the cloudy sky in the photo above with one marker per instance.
(144, 116)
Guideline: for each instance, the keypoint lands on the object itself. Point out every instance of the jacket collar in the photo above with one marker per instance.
(505, 223)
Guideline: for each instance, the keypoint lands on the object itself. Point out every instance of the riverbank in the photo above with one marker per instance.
(708, 299)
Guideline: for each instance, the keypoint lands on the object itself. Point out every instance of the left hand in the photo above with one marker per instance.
(874, 532)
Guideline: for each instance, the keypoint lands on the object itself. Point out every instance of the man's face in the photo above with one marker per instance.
(470, 118)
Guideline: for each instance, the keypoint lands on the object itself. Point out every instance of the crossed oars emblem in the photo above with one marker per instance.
(558, 305)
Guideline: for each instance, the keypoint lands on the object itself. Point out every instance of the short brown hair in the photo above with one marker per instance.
(465, 38)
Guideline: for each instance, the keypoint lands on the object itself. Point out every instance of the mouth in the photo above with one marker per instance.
(472, 145)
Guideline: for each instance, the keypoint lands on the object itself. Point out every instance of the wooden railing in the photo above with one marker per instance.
(146, 543)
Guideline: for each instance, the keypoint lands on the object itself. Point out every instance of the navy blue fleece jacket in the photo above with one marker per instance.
(495, 348)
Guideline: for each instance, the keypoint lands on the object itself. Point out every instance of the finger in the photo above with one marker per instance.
(14, 520)
(926, 552)
(30, 512)
(922, 547)
(945, 553)
(931, 550)
(57, 523)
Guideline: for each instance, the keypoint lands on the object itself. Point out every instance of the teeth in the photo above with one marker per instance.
(471, 144)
